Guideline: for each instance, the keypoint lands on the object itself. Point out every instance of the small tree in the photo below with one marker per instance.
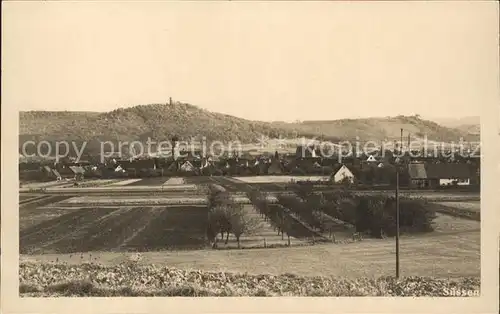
(304, 190)
(279, 221)
(212, 234)
(287, 226)
(321, 219)
(219, 206)
(242, 222)
(219, 220)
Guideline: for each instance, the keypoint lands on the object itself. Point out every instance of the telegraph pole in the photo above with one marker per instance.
(397, 209)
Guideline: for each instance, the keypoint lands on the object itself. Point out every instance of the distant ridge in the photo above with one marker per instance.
(162, 121)
(470, 125)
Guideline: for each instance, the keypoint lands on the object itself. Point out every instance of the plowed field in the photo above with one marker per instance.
(54, 230)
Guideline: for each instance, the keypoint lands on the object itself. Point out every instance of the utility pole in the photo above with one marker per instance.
(397, 212)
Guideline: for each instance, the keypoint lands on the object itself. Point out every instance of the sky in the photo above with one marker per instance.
(281, 61)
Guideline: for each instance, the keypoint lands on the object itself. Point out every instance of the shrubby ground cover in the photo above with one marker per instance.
(130, 279)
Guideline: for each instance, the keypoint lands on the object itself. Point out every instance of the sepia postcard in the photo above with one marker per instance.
(287, 156)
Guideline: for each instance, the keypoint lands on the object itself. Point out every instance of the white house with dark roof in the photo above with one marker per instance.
(341, 174)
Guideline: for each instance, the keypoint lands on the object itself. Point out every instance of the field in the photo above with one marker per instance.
(168, 228)
(443, 256)
(281, 179)
(174, 181)
(470, 206)
(265, 232)
(464, 209)
(149, 182)
(125, 182)
(39, 185)
(449, 224)
(112, 229)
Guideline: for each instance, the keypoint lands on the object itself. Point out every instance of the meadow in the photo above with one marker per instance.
(168, 229)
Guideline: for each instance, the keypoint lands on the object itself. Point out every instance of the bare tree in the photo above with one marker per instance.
(219, 206)
(287, 226)
(243, 222)
(212, 231)
(219, 220)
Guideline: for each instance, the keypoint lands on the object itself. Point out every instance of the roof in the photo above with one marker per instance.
(417, 171)
(439, 171)
(138, 163)
(172, 166)
(337, 167)
(448, 171)
(56, 173)
(77, 169)
(187, 166)
(275, 166)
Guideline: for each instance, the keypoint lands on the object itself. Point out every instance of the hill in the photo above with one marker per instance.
(158, 121)
(388, 128)
(162, 121)
(470, 125)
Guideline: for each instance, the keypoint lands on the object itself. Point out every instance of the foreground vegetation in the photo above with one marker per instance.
(131, 279)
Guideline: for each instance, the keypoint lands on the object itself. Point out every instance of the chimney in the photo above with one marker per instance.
(409, 141)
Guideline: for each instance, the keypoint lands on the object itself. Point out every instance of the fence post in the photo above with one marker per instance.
(265, 244)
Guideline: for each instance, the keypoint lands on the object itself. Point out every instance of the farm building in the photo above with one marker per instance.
(138, 164)
(439, 174)
(207, 167)
(187, 167)
(56, 174)
(50, 174)
(275, 167)
(173, 167)
(260, 167)
(342, 173)
(119, 169)
(304, 151)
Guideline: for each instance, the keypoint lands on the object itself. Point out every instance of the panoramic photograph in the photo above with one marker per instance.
(248, 155)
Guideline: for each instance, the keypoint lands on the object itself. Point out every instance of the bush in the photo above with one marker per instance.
(297, 171)
(303, 209)
(416, 215)
(377, 214)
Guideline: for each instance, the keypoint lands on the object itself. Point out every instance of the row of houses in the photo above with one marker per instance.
(371, 171)
(52, 173)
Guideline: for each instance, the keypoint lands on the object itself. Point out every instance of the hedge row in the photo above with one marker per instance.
(373, 214)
